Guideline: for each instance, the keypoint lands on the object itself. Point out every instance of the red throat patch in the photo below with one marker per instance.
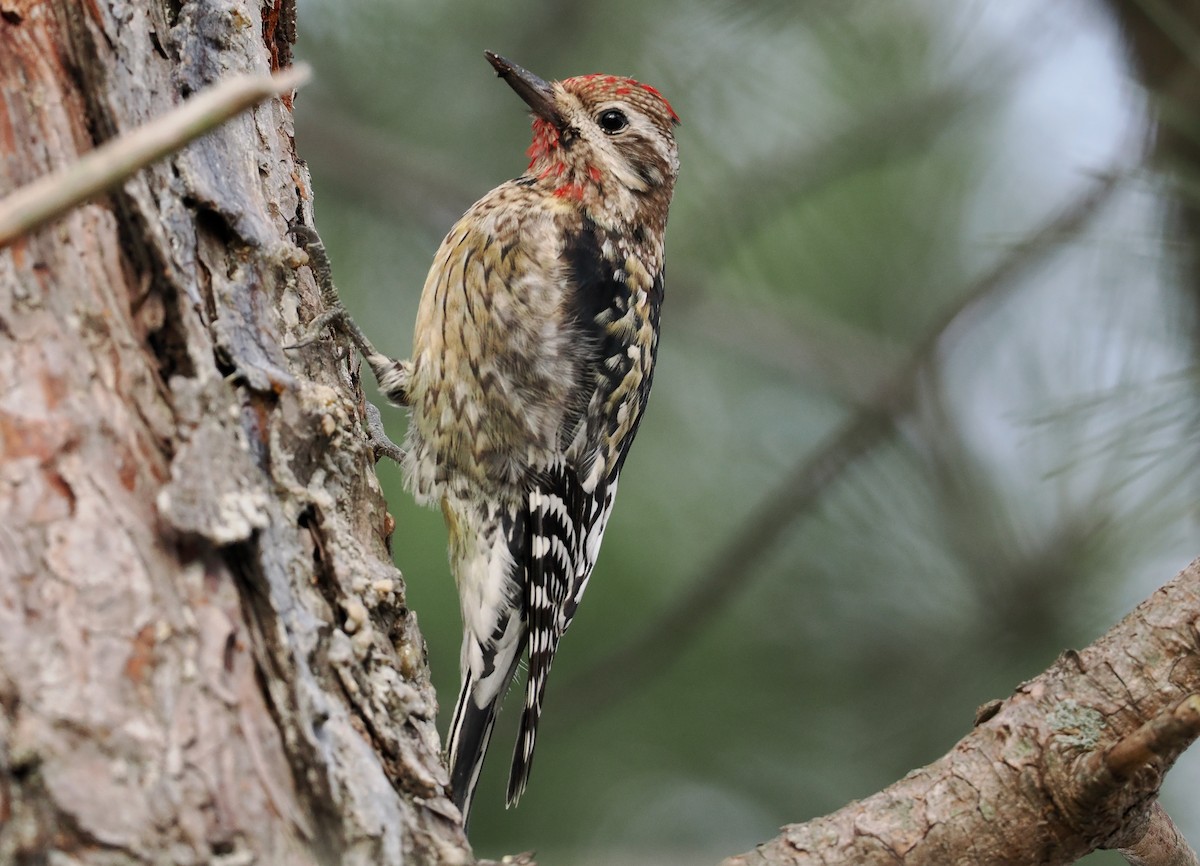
(545, 140)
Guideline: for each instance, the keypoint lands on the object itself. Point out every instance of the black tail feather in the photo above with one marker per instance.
(470, 732)
(535, 692)
(522, 762)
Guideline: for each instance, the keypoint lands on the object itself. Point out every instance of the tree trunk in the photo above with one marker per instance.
(205, 651)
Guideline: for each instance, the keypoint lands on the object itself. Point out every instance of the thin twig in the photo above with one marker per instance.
(1159, 735)
(1161, 844)
(730, 569)
(1150, 838)
(110, 164)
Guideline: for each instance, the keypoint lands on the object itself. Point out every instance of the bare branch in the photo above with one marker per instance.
(114, 161)
(1138, 750)
(1155, 841)
(1161, 843)
(1070, 763)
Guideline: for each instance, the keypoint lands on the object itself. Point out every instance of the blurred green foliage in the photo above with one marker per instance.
(850, 170)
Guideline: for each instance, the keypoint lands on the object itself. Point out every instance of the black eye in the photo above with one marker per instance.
(612, 121)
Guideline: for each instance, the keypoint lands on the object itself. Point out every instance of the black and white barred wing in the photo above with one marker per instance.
(566, 524)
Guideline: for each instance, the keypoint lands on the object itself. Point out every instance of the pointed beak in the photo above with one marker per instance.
(537, 93)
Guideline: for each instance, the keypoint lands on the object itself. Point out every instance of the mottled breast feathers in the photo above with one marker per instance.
(534, 318)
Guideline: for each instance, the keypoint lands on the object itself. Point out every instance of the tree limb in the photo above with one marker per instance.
(1071, 762)
(112, 162)
(1159, 843)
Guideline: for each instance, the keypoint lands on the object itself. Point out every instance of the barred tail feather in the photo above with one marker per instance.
(470, 731)
(535, 692)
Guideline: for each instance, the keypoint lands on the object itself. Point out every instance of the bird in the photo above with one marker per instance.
(533, 357)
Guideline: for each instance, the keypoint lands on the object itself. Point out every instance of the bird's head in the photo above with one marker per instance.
(605, 141)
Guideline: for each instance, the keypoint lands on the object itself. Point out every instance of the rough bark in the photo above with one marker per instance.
(1069, 763)
(204, 649)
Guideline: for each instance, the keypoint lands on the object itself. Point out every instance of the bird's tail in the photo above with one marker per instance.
(470, 731)
(535, 692)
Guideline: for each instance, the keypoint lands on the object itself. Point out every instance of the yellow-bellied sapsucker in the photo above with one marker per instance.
(532, 360)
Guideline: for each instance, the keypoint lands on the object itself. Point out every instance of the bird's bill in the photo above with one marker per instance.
(537, 92)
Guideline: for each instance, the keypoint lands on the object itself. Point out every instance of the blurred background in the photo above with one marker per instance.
(925, 405)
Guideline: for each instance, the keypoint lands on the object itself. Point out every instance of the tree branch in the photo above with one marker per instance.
(1070, 763)
(111, 163)
(1159, 843)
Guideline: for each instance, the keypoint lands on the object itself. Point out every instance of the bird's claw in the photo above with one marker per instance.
(305, 236)
(383, 446)
(317, 326)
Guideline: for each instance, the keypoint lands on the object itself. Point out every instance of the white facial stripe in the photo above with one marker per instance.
(640, 125)
(609, 145)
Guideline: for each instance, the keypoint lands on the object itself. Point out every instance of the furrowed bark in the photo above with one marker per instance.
(204, 649)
